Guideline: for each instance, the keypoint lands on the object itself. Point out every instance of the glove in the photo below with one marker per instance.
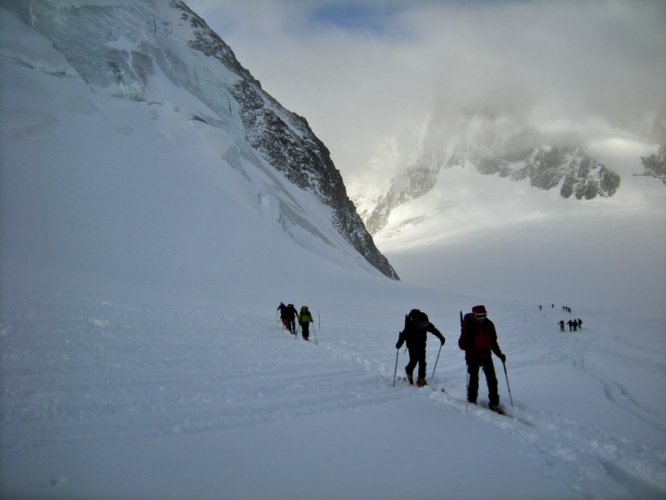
(397, 345)
(503, 358)
(443, 341)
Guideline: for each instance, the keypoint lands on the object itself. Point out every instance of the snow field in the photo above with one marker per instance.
(203, 400)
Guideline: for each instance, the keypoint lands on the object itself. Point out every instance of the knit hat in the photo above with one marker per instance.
(479, 310)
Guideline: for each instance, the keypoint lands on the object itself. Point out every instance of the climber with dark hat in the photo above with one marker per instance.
(478, 339)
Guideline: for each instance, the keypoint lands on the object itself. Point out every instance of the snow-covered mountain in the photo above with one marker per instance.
(479, 199)
(493, 144)
(163, 55)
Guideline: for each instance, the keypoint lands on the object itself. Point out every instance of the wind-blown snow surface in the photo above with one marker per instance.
(142, 263)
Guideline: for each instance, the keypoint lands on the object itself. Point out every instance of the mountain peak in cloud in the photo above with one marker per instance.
(495, 144)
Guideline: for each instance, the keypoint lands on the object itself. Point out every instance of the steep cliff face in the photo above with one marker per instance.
(124, 48)
(286, 141)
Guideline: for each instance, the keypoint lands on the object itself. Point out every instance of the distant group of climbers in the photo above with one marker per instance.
(289, 315)
(478, 338)
(574, 325)
(564, 308)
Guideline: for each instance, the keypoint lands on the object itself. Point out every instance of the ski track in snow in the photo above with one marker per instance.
(568, 444)
(621, 397)
(102, 382)
(105, 373)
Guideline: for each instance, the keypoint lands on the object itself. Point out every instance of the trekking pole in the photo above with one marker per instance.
(395, 370)
(435, 367)
(467, 368)
(314, 330)
(467, 397)
(507, 382)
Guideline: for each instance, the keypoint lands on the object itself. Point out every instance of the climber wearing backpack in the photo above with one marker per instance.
(291, 318)
(304, 319)
(284, 315)
(415, 334)
(478, 339)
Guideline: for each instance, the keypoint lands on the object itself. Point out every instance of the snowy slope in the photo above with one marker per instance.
(127, 189)
(161, 53)
(142, 263)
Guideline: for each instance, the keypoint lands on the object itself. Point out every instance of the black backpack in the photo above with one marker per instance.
(416, 317)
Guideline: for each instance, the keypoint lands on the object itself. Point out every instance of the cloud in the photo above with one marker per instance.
(354, 16)
(364, 73)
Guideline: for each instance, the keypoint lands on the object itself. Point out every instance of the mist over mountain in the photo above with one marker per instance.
(494, 144)
(478, 195)
(163, 54)
(655, 165)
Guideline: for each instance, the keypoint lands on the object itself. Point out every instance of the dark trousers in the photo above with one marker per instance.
(305, 329)
(491, 379)
(289, 324)
(417, 356)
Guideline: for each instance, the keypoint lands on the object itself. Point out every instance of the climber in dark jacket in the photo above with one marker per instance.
(478, 339)
(415, 333)
(284, 315)
(291, 317)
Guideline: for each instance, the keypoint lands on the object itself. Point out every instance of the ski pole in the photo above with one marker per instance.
(467, 396)
(395, 370)
(507, 382)
(467, 368)
(435, 367)
(314, 330)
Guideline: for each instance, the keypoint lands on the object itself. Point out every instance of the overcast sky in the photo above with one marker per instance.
(369, 75)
